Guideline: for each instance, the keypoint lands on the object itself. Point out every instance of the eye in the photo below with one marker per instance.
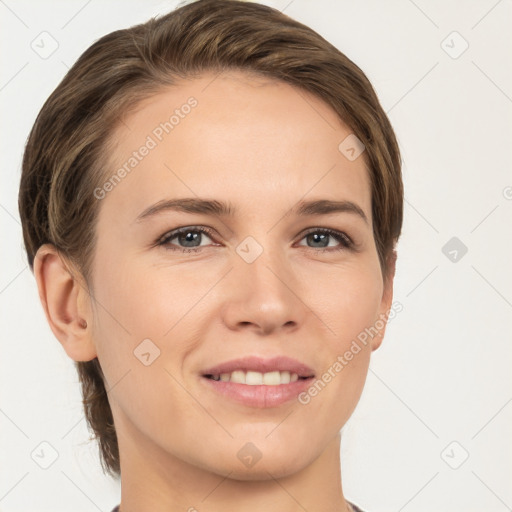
(188, 239)
(321, 236)
(191, 238)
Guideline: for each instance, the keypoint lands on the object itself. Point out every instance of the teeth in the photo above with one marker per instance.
(238, 376)
(254, 379)
(251, 378)
(275, 378)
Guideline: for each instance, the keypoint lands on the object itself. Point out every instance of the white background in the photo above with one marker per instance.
(443, 371)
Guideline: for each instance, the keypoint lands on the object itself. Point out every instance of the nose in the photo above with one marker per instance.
(263, 296)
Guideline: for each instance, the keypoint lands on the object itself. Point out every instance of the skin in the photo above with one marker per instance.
(264, 146)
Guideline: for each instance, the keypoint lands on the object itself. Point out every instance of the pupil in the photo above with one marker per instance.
(320, 237)
(191, 237)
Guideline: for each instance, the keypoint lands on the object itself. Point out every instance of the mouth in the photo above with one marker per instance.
(257, 382)
(254, 371)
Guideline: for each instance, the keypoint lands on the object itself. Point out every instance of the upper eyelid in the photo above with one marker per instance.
(174, 232)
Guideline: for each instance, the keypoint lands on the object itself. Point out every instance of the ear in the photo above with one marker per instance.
(386, 302)
(66, 303)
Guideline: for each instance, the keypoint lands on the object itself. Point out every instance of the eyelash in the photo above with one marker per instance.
(345, 242)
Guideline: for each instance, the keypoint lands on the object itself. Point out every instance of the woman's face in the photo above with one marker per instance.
(266, 280)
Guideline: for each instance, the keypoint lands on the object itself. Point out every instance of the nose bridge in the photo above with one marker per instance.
(263, 286)
(263, 263)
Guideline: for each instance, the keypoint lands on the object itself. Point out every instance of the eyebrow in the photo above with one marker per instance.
(226, 209)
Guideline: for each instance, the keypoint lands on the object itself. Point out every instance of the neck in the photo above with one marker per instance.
(152, 481)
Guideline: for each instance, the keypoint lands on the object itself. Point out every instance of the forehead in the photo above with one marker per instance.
(237, 137)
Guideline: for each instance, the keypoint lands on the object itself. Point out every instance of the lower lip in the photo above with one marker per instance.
(260, 396)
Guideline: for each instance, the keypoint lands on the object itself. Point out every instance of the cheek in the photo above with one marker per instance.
(348, 300)
(144, 309)
(140, 299)
(351, 307)
(139, 305)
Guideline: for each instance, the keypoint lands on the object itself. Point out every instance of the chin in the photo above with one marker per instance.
(264, 465)
(261, 472)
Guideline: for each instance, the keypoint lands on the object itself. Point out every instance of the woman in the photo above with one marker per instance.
(210, 205)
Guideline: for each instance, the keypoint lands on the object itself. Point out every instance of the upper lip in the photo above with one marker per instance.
(262, 365)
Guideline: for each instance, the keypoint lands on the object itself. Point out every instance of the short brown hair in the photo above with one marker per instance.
(68, 145)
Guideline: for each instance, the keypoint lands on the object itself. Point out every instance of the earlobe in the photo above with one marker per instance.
(62, 297)
(386, 302)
